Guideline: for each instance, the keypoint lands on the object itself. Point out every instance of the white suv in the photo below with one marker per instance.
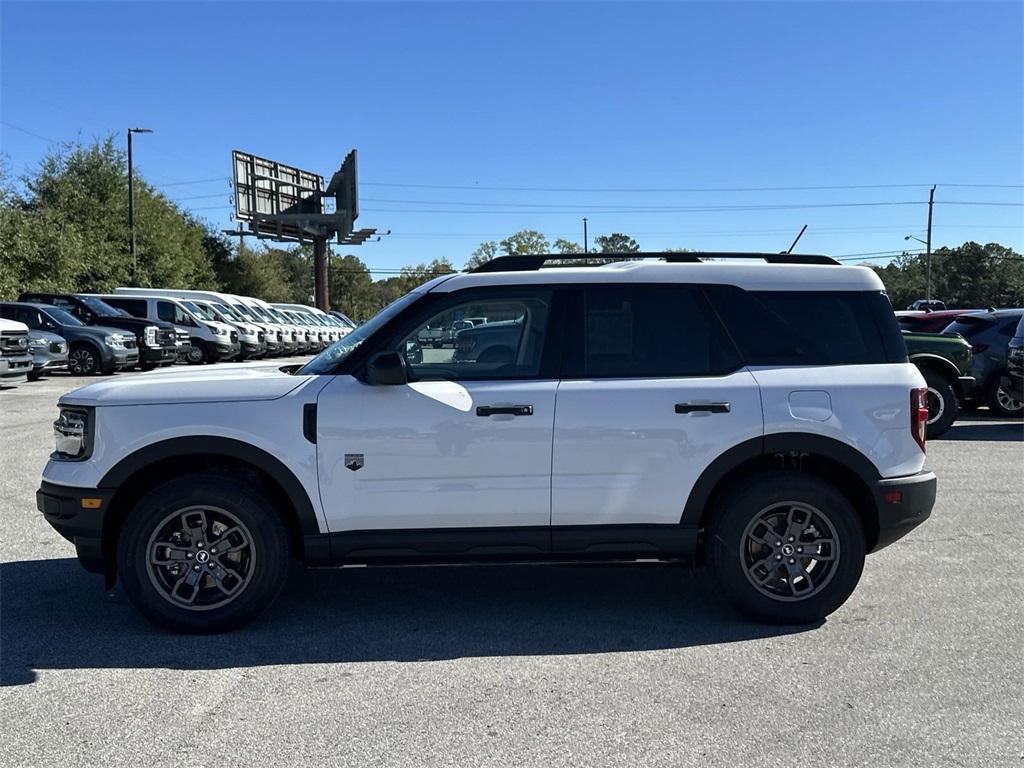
(756, 413)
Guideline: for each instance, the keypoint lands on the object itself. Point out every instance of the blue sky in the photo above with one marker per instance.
(555, 104)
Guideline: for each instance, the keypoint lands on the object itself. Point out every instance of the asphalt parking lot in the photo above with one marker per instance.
(552, 666)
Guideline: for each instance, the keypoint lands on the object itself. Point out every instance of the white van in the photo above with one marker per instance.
(211, 305)
(212, 341)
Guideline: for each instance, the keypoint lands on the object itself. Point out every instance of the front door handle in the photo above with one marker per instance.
(504, 410)
(704, 407)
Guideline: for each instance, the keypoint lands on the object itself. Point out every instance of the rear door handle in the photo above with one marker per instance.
(504, 410)
(705, 407)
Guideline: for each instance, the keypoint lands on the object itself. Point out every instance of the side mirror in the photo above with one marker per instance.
(386, 368)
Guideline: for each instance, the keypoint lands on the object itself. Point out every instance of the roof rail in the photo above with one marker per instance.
(532, 262)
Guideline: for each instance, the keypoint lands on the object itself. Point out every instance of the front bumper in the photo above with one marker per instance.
(124, 358)
(14, 369)
(253, 349)
(158, 355)
(227, 351)
(45, 360)
(967, 385)
(903, 503)
(62, 508)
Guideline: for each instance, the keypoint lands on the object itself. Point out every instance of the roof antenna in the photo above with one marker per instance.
(797, 240)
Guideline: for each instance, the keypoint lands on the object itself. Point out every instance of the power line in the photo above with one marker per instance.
(676, 189)
(18, 128)
(193, 181)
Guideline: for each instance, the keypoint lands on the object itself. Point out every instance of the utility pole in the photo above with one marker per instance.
(131, 203)
(320, 286)
(928, 242)
(585, 248)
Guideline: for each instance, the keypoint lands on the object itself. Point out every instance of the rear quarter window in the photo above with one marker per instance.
(810, 328)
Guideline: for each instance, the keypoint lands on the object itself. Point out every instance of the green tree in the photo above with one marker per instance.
(352, 288)
(525, 241)
(483, 253)
(567, 246)
(616, 243)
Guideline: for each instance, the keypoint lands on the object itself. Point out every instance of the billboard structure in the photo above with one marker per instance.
(284, 203)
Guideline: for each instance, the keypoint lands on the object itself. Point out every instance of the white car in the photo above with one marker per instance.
(756, 414)
(15, 352)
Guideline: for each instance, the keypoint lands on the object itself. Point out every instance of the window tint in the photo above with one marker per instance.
(134, 307)
(509, 346)
(969, 326)
(635, 331)
(172, 313)
(809, 328)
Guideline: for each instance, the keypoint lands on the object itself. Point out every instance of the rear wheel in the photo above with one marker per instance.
(83, 360)
(786, 548)
(202, 553)
(943, 407)
(1002, 402)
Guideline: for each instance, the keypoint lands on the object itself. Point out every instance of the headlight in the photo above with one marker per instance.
(37, 344)
(150, 335)
(114, 340)
(217, 330)
(71, 432)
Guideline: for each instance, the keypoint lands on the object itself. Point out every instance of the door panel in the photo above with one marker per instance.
(427, 460)
(624, 455)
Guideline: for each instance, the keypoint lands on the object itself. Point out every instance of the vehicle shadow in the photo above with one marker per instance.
(985, 428)
(55, 616)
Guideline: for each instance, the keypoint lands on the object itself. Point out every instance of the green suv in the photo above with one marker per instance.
(945, 362)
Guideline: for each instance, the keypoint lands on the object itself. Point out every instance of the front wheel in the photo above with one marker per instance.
(1002, 402)
(83, 360)
(198, 354)
(786, 548)
(202, 553)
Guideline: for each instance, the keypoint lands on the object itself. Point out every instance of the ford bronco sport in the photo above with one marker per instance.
(752, 412)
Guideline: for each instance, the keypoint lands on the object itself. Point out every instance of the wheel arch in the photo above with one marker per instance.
(832, 460)
(138, 472)
(939, 365)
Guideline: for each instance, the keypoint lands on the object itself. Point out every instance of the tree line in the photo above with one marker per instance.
(63, 227)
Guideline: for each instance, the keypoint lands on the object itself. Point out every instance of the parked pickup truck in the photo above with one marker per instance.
(945, 362)
(15, 358)
(432, 337)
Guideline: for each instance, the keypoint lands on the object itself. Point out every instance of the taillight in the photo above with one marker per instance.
(919, 415)
(977, 349)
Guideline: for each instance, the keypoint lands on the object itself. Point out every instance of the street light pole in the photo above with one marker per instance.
(928, 245)
(131, 203)
(585, 249)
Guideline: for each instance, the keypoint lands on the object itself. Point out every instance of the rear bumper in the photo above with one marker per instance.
(903, 503)
(61, 506)
(966, 385)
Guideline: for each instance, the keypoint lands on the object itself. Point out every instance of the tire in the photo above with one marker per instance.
(84, 360)
(251, 575)
(35, 375)
(821, 582)
(198, 354)
(943, 406)
(1002, 403)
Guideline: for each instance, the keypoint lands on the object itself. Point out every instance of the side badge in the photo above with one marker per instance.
(354, 461)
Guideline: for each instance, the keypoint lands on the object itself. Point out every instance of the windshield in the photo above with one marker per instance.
(199, 310)
(327, 360)
(101, 307)
(63, 318)
(227, 311)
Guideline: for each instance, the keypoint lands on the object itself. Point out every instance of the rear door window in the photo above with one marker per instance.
(646, 331)
(134, 307)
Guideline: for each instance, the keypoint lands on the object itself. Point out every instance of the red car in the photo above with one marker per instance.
(930, 322)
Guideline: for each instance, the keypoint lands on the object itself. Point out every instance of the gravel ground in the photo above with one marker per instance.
(552, 666)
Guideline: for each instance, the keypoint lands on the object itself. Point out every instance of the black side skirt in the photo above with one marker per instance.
(506, 544)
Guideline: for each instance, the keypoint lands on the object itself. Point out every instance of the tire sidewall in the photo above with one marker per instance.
(725, 540)
(943, 388)
(994, 404)
(269, 538)
(199, 352)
